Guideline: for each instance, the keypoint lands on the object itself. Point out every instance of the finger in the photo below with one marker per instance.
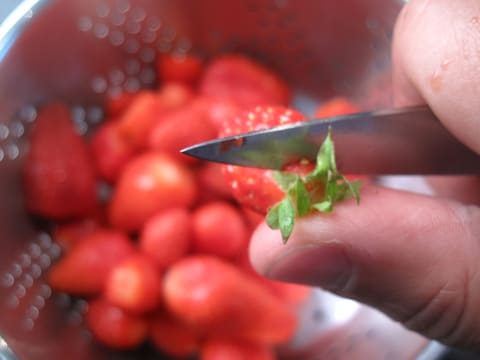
(412, 256)
(465, 189)
(435, 58)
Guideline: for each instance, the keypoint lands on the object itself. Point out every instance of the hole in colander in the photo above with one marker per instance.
(133, 27)
(8, 280)
(118, 19)
(101, 30)
(17, 129)
(117, 38)
(153, 24)
(132, 45)
(25, 260)
(12, 151)
(36, 271)
(102, 9)
(39, 302)
(122, 5)
(27, 114)
(4, 132)
(147, 55)
(138, 14)
(132, 67)
(132, 85)
(85, 24)
(32, 312)
(99, 84)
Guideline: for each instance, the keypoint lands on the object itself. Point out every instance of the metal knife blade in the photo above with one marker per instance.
(408, 141)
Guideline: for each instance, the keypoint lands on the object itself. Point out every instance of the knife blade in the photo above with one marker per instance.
(406, 141)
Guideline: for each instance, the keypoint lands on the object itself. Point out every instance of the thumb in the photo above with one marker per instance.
(411, 256)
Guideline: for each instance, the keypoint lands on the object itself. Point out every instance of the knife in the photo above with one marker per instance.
(405, 141)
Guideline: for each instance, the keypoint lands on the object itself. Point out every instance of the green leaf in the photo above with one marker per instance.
(302, 198)
(286, 217)
(324, 206)
(284, 179)
(272, 217)
(326, 186)
(325, 159)
(353, 187)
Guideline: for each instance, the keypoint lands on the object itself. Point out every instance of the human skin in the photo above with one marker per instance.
(414, 257)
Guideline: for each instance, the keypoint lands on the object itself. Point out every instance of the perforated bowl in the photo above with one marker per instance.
(79, 52)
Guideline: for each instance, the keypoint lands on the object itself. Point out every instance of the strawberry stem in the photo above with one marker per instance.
(299, 201)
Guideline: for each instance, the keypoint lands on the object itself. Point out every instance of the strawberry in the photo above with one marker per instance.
(149, 184)
(58, 174)
(221, 110)
(85, 268)
(210, 178)
(218, 298)
(181, 128)
(219, 229)
(166, 236)
(301, 188)
(134, 285)
(115, 327)
(241, 80)
(336, 106)
(174, 95)
(70, 233)
(144, 110)
(228, 349)
(111, 151)
(173, 337)
(147, 109)
(183, 68)
(256, 188)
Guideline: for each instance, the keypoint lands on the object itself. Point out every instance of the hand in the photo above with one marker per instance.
(414, 257)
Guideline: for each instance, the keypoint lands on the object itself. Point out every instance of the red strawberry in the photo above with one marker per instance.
(174, 95)
(183, 68)
(149, 184)
(299, 189)
(219, 229)
(58, 173)
(244, 81)
(228, 349)
(84, 270)
(166, 236)
(111, 151)
(256, 188)
(115, 327)
(220, 299)
(144, 111)
(336, 106)
(69, 234)
(147, 109)
(212, 182)
(134, 285)
(173, 337)
(181, 128)
(221, 110)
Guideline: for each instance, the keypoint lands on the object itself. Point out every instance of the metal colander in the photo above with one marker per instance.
(80, 52)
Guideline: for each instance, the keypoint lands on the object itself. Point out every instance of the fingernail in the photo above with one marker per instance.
(325, 265)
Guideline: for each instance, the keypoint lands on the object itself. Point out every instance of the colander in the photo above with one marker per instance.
(80, 52)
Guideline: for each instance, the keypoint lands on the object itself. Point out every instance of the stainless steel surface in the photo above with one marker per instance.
(79, 52)
(410, 141)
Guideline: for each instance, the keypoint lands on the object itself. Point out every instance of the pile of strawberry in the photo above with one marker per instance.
(163, 257)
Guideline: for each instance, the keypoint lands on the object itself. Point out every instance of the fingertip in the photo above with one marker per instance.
(265, 245)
